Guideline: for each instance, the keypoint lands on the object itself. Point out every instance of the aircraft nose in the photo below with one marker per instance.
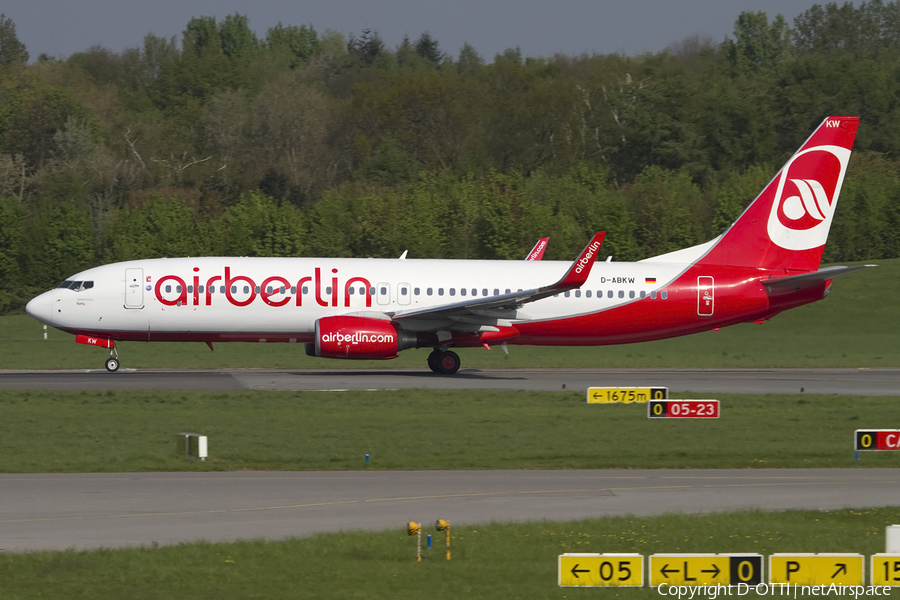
(41, 308)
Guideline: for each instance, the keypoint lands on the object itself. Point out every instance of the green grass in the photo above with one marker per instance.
(490, 561)
(43, 431)
(858, 325)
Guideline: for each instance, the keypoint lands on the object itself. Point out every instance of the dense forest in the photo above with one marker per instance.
(308, 143)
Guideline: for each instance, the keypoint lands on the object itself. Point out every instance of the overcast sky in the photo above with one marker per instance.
(540, 28)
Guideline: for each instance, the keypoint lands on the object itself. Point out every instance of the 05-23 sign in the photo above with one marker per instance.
(683, 409)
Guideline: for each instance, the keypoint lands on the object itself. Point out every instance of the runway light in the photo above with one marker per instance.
(413, 528)
(442, 525)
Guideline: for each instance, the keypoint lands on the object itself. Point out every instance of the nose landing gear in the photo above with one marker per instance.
(112, 363)
(445, 362)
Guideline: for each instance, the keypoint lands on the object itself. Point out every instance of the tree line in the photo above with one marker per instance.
(306, 143)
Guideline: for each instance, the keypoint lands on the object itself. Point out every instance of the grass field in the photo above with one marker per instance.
(858, 325)
(409, 429)
(491, 561)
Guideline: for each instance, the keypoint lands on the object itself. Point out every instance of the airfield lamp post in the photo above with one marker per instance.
(442, 525)
(416, 530)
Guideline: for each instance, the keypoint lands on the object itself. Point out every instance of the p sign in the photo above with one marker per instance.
(876, 439)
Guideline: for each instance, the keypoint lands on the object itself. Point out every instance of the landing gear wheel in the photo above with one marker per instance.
(433, 359)
(448, 363)
(112, 364)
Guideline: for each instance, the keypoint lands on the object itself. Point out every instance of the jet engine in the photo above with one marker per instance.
(360, 338)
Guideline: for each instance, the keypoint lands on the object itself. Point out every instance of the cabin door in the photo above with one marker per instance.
(134, 288)
(705, 296)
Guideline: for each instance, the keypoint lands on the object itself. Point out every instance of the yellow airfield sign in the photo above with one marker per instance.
(625, 395)
(705, 569)
(601, 570)
(885, 570)
(817, 569)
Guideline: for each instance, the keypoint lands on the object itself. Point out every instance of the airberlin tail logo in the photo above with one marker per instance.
(806, 196)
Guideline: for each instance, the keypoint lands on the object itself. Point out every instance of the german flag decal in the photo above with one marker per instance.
(649, 279)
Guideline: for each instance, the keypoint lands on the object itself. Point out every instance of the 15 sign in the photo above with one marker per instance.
(683, 409)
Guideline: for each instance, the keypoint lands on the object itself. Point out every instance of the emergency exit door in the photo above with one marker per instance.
(705, 296)
(134, 288)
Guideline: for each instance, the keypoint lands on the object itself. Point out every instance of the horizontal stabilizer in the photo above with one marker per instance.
(812, 278)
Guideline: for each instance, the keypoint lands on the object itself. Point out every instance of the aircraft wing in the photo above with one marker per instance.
(493, 311)
(812, 278)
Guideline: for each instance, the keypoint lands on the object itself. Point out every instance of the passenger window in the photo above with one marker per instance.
(371, 290)
(507, 290)
(631, 293)
(222, 289)
(475, 292)
(362, 291)
(653, 295)
(665, 295)
(403, 290)
(566, 294)
(281, 290)
(429, 291)
(621, 293)
(383, 291)
(452, 291)
(178, 289)
(200, 289)
(587, 293)
(212, 289)
(643, 294)
(305, 289)
(609, 294)
(462, 291)
(578, 293)
(496, 292)
(268, 289)
(293, 289)
(484, 292)
(168, 288)
(440, 291)
(246, 289)
(190, 289)
(416, 291)
(350, 291)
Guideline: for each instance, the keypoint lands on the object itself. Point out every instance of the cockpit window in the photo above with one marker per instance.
(77, 285)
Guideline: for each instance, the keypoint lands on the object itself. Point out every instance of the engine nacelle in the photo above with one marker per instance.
(359, 338)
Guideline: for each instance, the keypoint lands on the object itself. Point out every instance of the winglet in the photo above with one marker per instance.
(537, 253)
(581, 268)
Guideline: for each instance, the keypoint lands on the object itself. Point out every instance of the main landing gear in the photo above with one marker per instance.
(445, 362)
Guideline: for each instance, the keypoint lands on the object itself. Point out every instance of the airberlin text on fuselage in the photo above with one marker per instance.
(324, 296)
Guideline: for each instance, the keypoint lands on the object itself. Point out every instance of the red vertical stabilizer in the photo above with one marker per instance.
(787, 225)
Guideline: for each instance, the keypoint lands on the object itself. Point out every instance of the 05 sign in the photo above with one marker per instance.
(601, 570)
(683, 409)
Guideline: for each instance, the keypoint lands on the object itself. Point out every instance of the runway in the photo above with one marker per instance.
(58, 511)
(867, 382)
